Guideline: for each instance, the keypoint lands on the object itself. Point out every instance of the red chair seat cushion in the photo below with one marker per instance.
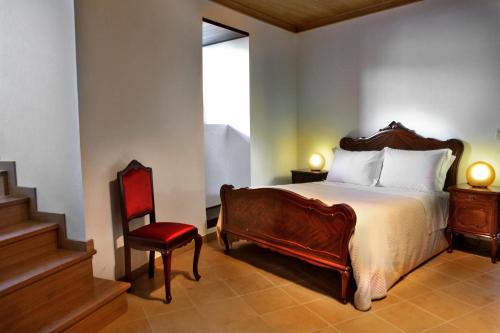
(167, 232)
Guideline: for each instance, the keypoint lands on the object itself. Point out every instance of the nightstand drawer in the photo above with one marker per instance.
(472, 197)
(472, 216)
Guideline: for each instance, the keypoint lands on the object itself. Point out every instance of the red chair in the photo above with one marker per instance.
(137, 200)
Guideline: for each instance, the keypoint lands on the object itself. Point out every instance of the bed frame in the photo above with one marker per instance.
(308, 229)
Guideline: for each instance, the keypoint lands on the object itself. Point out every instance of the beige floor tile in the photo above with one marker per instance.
(456, 254)
(134, 309)
(409, 317)
(279, 294)
(478, 322)
(470, 293)
(137, 326)
(157, 306)
(251, 325)
(367, 324)
(431, 279)
(389, 300)
(333, 311)
(328, 330)
(303, 293)
(184, 321)
(455, 270)
(208, 275)
(493, 307)
(478, 263)
(407, 289)
(233, 270)
(296, 319)
(437, 260)
(446, 328)
(249, 283)
(441, 305)
(226, 311)
(269, 300)
(210, 293)
(280, 277)
(490, 281)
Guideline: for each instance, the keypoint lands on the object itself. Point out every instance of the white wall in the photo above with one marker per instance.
(273, 100)
(38, 104)
(432, 65)
(140, 96)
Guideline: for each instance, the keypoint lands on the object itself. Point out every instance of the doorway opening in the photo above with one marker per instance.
(226, 111)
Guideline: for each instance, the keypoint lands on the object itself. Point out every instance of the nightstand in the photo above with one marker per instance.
(474, 211)
(308, 176)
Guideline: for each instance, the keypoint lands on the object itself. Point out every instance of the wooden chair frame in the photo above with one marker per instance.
(143, 244)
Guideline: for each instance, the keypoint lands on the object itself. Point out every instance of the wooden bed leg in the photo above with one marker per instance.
(226, 242)
(494, 246)
(344, 285)
(449, 239)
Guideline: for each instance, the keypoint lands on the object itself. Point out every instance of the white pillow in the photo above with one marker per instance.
(356, 167)
(445, 166)
(414, 169)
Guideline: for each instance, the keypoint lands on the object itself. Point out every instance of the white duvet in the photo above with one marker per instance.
(396, 230)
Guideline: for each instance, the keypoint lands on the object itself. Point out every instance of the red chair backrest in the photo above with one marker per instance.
(136, 190)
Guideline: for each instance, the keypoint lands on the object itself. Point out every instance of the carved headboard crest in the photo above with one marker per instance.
(397, 136)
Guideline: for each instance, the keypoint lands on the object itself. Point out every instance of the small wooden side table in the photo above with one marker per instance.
(308, 176)
(474, 211)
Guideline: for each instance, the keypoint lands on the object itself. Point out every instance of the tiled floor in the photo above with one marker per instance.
(256, 290)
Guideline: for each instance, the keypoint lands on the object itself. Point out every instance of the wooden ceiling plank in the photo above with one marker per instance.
(301, 15)
(354, 13)
(257, 14)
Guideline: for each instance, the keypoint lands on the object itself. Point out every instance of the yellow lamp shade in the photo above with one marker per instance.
(316, 162)
(480, 174)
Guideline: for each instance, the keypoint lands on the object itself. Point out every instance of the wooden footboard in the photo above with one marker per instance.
(290, 224)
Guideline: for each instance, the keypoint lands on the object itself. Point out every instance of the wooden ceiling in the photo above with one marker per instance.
(300, 15)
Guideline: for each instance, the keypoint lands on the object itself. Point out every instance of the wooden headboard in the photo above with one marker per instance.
(398, 136)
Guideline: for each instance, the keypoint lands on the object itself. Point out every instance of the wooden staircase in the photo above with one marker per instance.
(46, 280)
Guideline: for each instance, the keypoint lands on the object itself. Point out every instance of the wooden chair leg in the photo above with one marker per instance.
(344, 285)
(167, 269)
(128, 268)
(198, 241)
(151, 264)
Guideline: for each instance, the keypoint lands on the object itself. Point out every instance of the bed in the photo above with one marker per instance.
(375, 235)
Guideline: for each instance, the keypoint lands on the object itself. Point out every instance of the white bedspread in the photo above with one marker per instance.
(396, 230)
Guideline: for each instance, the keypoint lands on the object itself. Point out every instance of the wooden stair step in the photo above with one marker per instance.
(22, 274)
(18, 231)
(11, 200)
(73, 308)
(25, 240)
(13, 209)
(4, 183)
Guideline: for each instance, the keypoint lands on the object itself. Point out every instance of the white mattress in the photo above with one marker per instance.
(396, 230)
